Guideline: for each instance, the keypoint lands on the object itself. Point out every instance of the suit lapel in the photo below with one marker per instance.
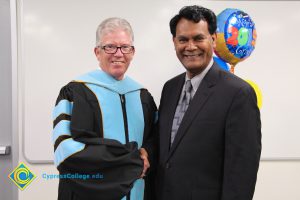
(203, 93)
(172, 97)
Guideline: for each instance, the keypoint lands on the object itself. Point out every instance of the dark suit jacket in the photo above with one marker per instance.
(216, 152)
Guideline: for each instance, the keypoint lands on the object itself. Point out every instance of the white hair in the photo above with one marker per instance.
(112, 24)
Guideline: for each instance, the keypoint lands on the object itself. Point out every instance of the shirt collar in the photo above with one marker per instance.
(196, 80)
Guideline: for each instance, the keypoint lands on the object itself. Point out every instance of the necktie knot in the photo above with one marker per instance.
(188, 91)
(188, 86)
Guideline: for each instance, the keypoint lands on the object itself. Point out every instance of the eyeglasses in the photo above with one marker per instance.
(112, 49)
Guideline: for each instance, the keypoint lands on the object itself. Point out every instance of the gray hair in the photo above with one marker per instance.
(110, 25)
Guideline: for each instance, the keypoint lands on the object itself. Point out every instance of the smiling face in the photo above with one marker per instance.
(115, 64)
(194, 45)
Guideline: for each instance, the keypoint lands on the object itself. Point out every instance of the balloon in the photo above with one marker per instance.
(257, 92)
(221, 63)
(236, 36)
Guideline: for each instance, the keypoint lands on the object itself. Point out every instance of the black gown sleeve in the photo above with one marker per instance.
(150, 142)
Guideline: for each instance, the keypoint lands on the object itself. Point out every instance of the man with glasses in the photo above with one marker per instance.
(103, 123)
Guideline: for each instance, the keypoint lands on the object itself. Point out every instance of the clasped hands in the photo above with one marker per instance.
(144, 157)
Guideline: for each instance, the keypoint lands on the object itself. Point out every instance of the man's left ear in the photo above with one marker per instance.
(214, 39)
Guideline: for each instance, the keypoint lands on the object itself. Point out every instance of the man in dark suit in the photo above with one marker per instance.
(211, 150)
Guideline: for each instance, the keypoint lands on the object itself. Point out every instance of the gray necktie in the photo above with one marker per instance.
(181, 108)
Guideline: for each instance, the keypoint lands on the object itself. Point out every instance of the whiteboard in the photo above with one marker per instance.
(57, 37)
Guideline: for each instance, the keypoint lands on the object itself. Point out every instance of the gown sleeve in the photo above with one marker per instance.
(150, 141)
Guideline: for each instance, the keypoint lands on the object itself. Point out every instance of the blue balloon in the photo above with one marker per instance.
(221, 63)
(236, 35)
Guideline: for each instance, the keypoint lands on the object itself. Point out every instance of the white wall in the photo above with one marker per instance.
(278, 180)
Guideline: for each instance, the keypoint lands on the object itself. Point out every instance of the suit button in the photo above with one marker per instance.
(168, 166)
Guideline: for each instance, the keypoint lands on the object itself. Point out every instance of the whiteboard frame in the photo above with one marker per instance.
(21, 92)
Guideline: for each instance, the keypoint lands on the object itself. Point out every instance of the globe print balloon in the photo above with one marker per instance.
(236, 36)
